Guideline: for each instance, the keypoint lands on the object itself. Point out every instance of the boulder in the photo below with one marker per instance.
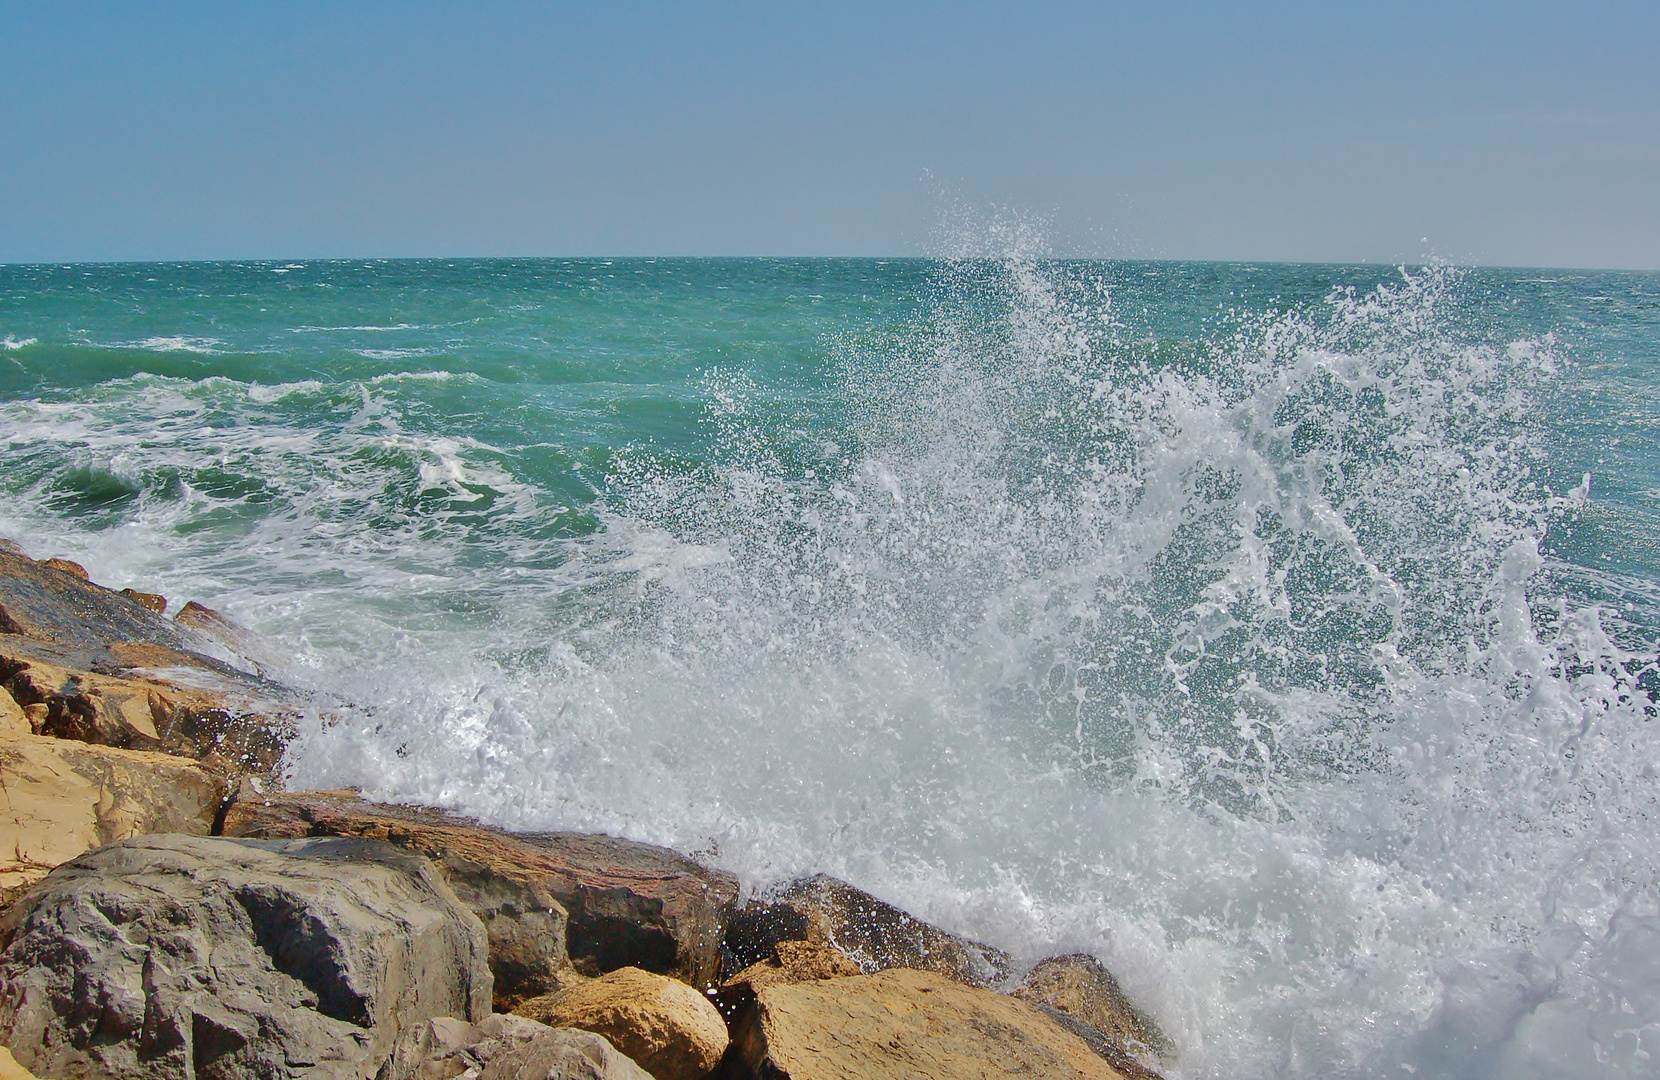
(549, 900)
(825, 911)
(1084, 992)
(670, 1029)
(139, 713)
(13, 720)
(63, 798)
(505, 1047)
(899, 1025)
(445, 1047)
(82, 620)
(66, 566)
(107, 668)
(154, 601)
(241, 645)
(794, 961)
(169, 956)
(11, 1070)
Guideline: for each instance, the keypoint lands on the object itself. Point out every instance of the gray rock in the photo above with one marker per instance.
(178, 956)
(505, 1047)
(564, 1054)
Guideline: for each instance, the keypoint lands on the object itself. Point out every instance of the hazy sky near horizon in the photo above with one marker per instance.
(1499, 133)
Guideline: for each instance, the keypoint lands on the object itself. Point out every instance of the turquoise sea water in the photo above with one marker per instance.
(1285, 635)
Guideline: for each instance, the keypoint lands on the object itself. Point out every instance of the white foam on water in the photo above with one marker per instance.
(1243, 673)
(11, 344)
(308, 329)
(1242, 670)
(171, 343)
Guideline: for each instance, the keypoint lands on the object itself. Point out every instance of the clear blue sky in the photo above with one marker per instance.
(1502, 133)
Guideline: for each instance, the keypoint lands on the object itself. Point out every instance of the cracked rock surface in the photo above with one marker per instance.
(181, 956)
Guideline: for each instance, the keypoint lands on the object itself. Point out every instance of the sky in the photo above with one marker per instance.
(1521, 134)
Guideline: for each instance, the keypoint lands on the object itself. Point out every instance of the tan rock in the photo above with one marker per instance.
(13, 720)
(66, 566)
(154, 601)
(825, 911)
(137, 713)
(628, 904)
(671, 1030)
(899, 1025)
(795, 961)
(59, 798)
(1079, 987)
(11, 1070)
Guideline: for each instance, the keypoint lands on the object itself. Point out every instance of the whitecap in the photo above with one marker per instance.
(172, 343)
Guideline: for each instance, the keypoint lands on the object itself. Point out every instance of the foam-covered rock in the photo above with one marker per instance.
(900, 1025)
(670, 1029)
(168, 956)
(825, 911)
(1090, 1001)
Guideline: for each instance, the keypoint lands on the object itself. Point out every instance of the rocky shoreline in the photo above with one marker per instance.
(170, 911)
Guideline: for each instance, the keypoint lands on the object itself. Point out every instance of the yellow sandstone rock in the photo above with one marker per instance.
(11, 1070)
(901, 1024)
(59, 798)
(671, 1030)
(13, 720)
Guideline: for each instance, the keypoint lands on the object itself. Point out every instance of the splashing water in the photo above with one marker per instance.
(1238, 654)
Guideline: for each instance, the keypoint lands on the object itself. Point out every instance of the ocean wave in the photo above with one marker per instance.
(267, 394)
(207, 346)
(11, 344)
(392, 354)
(344, 329)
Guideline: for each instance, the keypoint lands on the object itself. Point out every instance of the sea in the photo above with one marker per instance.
(1283, 635)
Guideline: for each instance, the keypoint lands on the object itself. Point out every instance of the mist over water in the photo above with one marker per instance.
(1284, 636)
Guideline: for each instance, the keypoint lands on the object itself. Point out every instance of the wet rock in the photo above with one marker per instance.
(793, 962)
(65, 566)
(154, 601)
(63, 798)
(74, 623)
(108, 670)
(877, 935)
(234, 642)
(1082, 990)
(670, 1029)
(549, 900)
(898, 1025)
(169, 956)
(137, 713)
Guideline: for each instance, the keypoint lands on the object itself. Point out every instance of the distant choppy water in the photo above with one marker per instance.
(1285, 635)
